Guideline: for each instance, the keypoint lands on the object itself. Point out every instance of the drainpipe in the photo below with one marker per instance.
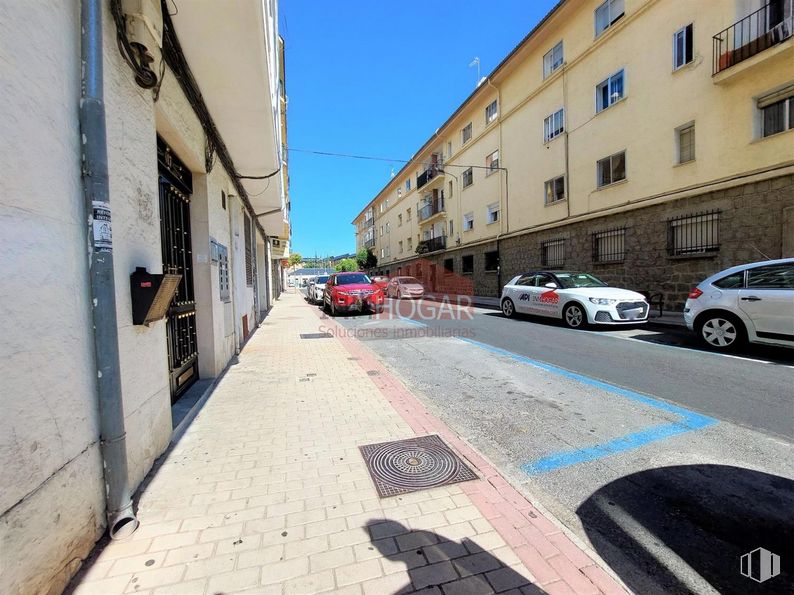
(232, 276)
(120, 516)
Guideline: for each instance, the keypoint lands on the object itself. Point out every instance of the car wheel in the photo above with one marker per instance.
(399, 294)
(333, 309)
(721, 331)
(574, 316)
(508, 308)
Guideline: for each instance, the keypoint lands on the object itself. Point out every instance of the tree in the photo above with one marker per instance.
(366, 259)
(346, 264)
(295, 258)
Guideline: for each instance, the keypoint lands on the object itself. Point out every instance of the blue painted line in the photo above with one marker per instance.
(690, 421)
(411, 321)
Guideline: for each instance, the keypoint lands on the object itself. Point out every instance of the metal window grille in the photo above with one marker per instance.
(467, 264)
(249, 267)
(552, 253)
(693, 234)
(448, 265)
(223, 274)
(492, 261)
(609, 245)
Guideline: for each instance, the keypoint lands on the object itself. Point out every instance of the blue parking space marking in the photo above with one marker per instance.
(690, 421)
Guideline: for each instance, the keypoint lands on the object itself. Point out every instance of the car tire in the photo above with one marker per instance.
(399, 294)
(721, 331)
(333, 309)
(508, 308)
(574, 316)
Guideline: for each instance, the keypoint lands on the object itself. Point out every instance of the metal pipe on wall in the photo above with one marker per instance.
(120, 516)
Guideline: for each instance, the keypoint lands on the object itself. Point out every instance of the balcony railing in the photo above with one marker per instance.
(752, 35)
(431, 245)
(369, 243)
(430, 172)
(434, 207)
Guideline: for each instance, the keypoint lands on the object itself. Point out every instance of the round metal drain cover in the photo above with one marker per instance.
(414, 464)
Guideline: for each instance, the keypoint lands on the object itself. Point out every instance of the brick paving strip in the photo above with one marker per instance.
(266, 492)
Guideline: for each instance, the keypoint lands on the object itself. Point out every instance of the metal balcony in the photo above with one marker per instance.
(432, 208)
(432, 171)
(369, 243)
(750, 36)
(431, 245)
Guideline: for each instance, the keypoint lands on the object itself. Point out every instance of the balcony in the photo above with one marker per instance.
(763, 29)
(435, 206)
(431, 245)
(370, 243)
(432, 172)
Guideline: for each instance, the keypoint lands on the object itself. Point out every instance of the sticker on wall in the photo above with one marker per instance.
(103, 231)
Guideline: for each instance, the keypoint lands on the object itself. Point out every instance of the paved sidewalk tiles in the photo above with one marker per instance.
(267, 492)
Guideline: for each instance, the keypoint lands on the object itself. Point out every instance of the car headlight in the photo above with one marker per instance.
(602, 301)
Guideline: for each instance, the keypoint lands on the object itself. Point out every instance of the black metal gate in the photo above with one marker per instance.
(176, 185)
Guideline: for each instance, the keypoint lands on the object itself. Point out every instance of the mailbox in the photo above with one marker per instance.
(151, 295)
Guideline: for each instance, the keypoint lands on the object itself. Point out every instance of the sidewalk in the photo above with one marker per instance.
(267, 492)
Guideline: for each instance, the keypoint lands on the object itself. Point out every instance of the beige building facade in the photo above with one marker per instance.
(650, 142)
(197, 187)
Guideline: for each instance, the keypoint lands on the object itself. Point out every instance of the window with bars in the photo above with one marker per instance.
(609, 245)
(554, 125)
(696, 234)
(552, 253)
(611, 169)
(492, 162)
(491, 112)
(686, 143)
(492, 261)
(465, 133)
(449, 266)
(609, 91)
(249, 260)
(554, 189)
(467, 264)
(468, 177)
(552, 60)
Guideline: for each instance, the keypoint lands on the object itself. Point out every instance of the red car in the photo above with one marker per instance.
(381, 282)
(351, 292)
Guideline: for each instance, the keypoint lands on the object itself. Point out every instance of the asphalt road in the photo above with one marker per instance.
(670, 462)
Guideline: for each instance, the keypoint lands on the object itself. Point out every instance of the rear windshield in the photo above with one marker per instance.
(572, 280)
(409, 280)
(352, 278)
(322, 279)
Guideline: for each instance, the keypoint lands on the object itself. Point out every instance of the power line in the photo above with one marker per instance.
(373, 158)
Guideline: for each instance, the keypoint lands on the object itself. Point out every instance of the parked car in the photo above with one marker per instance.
(351, 292)
(316, 289)
(381, 281)
(405, 287)
(577, 298)
(309, 283)
(751, 302)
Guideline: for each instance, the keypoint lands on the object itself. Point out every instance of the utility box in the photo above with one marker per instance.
(151, 295)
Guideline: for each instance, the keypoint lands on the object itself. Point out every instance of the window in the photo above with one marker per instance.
(399, 220)
(223, 200)
(468, 221)
(526, 280)
(467, 264)
(223, 271)
(449, 265)
(607, 15)
(777, 117)
(381, 231)
(491, 112)
(466, 133)
(611, 169)
(249, 264)
(552, 60)
(686, 143)
(554, 125)
(451, 228)
(492, 162)
(493, 213)
(407, 214)
(449, 149)
(555, 189)
(388, 226)
(682, 47)
(410, 243)
(492, 261)
(468, 177)
(381, 207)
(386, 204)
(609, 91)
(552, 253)
(733, 281)
(693, 234)
(609, 245)
(408, 185)
(779, 276)
(400, 246)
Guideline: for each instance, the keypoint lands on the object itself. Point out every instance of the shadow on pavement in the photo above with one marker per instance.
(651, 525)
(436, 565)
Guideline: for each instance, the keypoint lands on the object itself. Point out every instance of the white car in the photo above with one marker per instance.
(752, 302)
(577, 298)
(316, 289)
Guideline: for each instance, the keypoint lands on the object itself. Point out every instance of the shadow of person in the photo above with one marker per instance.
(436, 565)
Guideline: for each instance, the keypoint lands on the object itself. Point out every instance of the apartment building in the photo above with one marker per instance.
(649, 142)
(194, 187)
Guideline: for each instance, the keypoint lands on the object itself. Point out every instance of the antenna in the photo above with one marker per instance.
(476, 62)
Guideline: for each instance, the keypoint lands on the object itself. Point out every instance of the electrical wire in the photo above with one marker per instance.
(134, 54)
(373, 158)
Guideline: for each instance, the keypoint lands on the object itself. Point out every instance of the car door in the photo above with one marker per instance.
(519, 292)
(544, 301)
(768, 300)
(327, 291)
(391, 288)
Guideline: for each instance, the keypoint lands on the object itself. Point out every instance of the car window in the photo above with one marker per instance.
(733, 281)
(780, 276)
(526, 280)
(353, 278)
(409, 281)
(543, 278)
(572, 280)
(321, 279)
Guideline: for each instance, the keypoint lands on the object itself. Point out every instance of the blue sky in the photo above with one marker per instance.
(377, 78)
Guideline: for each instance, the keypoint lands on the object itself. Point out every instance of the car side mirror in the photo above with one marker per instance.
(551, 285)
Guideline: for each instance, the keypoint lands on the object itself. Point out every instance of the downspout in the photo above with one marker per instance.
(507, 186)
(232, 276)
(118, 504)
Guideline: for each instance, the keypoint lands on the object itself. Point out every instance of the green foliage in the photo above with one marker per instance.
(366, 259)
(295, 258)
(346, 264)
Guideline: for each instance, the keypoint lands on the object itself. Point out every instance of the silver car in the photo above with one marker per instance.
(404, 287)
(752, 302)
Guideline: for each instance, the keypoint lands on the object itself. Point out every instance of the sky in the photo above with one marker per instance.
(377, 78)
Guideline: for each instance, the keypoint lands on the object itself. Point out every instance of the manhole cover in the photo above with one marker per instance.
(372, 372)
(411, 465)
(316, 335)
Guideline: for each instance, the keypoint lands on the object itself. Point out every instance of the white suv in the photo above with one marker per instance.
(751, 302)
